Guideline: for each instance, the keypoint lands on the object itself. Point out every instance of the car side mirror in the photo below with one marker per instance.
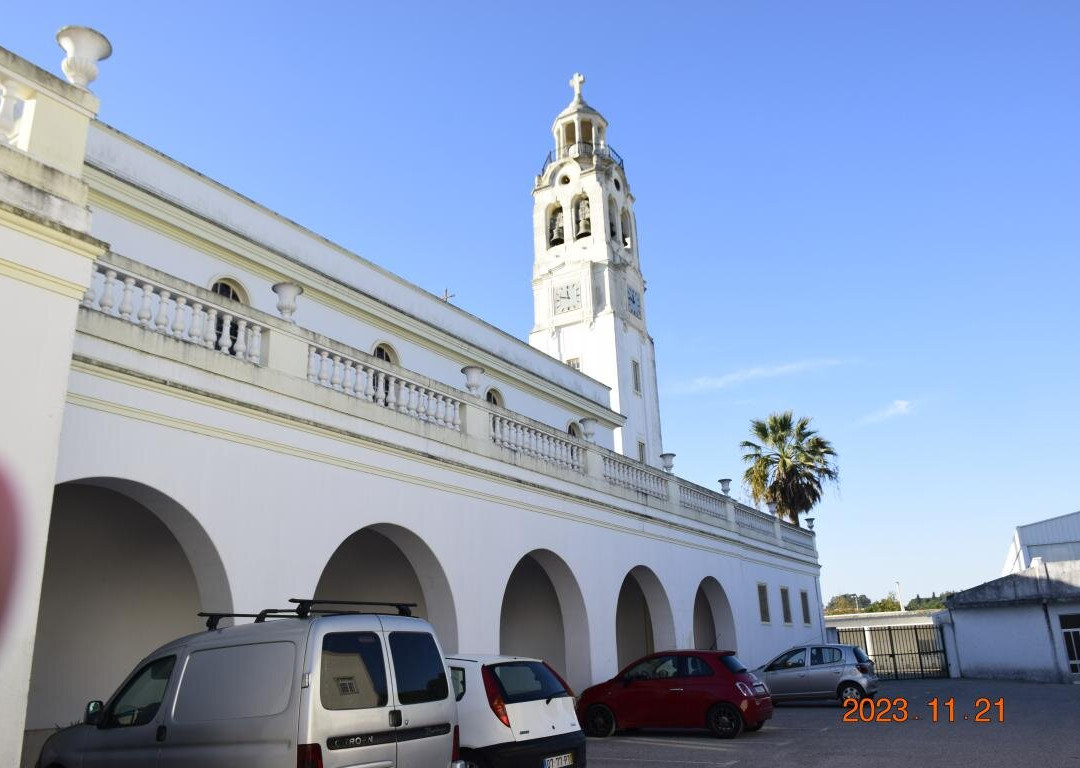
(93, 712)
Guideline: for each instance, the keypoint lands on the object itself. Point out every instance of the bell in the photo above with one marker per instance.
(583, 228)
(557, 235)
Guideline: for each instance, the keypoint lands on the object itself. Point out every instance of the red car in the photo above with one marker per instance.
(678, 689)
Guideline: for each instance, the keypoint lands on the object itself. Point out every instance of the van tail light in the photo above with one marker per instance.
(456, 754)
(491, 686)
(308, 756)
(558, 677)
(864, 668)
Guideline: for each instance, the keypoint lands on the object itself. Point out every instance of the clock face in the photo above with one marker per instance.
(567, 297)
(633, 301)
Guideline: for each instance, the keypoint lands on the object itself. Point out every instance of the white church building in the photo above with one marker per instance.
(206, 406)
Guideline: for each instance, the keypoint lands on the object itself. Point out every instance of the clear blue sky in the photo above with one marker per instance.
(865, 212)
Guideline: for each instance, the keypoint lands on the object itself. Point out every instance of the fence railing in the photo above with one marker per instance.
(582, 149)
(636, 476)
(543, 445)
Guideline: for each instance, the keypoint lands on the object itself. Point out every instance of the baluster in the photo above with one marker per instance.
(144, 305)
(391, 392)
(324, 367)
(414, 396)
(240, 346)
(210, 331)
(369, 384)
(500, 431)
(561, 457)
(254, 354)
(404, 395)
(226, 329)
(457, 416)
(179, 322)
(337, 374)
(440, 410)
(348, 381)
(196, 322)
(380, 392)
(107, 299)
(91, 290)
(313, 365)
(127, 302)
(432, 406)
(161, 322)
(494, 429)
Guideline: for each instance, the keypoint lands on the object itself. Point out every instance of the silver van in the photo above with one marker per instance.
(298, 688)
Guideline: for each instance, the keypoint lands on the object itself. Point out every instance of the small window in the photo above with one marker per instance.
(697, 667)
(230, 289)
(656, 668)
(641, 455)
(457, 679)
(804, 598)
(137, 704)
(418, 668)
(385, 353)
(795, 659)
(574, 429)
(635, 372)
(494, 397)
(763, 602)
(785, 604)
(822, 656)
(575, 363)
(352, 673)
(527, 681)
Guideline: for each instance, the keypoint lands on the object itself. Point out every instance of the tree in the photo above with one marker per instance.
(935, 600)
(849, 603)
(887, 603)
(788, 464)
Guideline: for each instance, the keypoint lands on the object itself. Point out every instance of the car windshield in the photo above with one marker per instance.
(860, 655)
(733, 663)
(527, 681)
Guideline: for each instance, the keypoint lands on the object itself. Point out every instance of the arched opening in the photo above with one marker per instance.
(582, 217)
(230, 289)
(714, 622)
(556, 230)
(625, 224)
(613, 227)
(573, 429)
(390, 564)
(643, 618)
(543, 615)
(126, 570)
(385, 353)
(494, 397)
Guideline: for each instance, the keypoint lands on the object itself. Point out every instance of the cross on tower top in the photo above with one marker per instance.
(576, 82)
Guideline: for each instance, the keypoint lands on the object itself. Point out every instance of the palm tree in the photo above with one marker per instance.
(788, 464)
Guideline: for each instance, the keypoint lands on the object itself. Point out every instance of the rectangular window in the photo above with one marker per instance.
(575, 363)
(641, 451)
(763, 602)
(785, 604)
(804, 598)
(352, 674)
(635, 371)
(418, 668)
(522, 681)
(457, 677)
(236, 681)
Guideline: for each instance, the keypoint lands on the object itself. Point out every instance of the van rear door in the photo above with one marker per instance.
(346, 704)
(421, 693)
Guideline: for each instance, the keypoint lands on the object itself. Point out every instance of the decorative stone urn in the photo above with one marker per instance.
(588, 429)
(84, 47)
(667, 460)
(810, 523)
(725, 486)
(472, 377)
(287, 296)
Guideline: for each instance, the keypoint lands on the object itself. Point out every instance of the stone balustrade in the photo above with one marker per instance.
(364, 380)
(186, 316)
(162, 305)
(635, 475)
(13, 97)
(549, 447)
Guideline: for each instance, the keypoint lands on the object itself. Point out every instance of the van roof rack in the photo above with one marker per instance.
(302, 609)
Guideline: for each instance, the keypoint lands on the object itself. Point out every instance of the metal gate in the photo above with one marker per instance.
(901, 653)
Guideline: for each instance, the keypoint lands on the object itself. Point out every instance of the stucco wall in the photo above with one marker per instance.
(1009, 643)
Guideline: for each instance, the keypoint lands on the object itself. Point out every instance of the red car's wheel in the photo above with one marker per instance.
(725, 721)
(599, 721)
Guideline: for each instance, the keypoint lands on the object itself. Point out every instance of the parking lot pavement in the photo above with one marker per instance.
(1041, 726)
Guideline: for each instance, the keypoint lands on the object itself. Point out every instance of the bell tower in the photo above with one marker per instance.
(588, 290)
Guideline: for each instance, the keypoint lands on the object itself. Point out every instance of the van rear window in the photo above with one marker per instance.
(352, 672)
(418, 668)
(235, 681)
(527, 681)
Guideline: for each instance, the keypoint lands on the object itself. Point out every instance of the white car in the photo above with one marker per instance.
(514, 711)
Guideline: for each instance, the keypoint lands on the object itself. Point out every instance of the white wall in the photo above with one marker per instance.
(531, 623)
(1010, 643)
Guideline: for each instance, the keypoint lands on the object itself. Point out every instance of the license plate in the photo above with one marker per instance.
(559, 761)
